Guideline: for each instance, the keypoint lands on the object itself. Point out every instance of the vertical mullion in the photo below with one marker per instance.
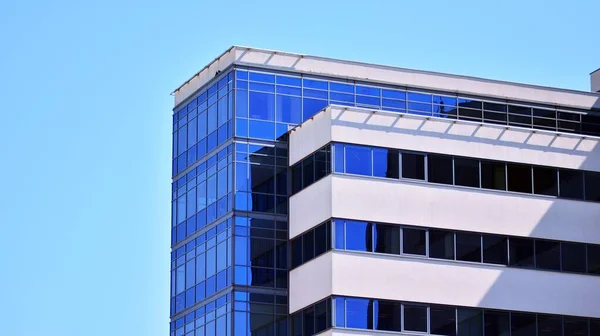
(399, 165)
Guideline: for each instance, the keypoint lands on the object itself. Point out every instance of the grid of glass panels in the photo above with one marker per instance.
(424, 318)
(260, 253)
(267, 103)
(261, 178)
(260, 314)
(211, 319)
(203, 123)
(202, 267)
(202, 195)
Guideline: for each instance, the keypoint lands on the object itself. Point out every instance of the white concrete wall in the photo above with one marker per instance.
(595, 81)
(310, 207)
(438, 206)
(310, 136)
(442, 282)
(442, 136)
(391, 75)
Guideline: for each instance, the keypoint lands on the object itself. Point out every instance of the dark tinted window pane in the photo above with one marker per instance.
(413, 241)
(388, 316)
(466, 172)
(441, 244)
(308, 246)
(386, 163)
(387, 239)
(415, 318)
(519, 178)
(439, 168)
(522, 110)
(309, 321)
(571, 183)
(358, 160)
(442, 320)
(297, 252)
(358, 236)
(296, 324)
(573, 257)
(468, 247)
(470, 322)
(321, 316)
(308, 171)
(592, 186)
(522, 324)
(545, 181)
(549, 325)
(496, 323)
(493, 175)
(359, 314)
(593, 259)
(575, 326)
(320, 239)
(521, 252)
(322, 164)
(297, 177)
(413, 166)
(547, 254)
(594, 327)
(495, 249)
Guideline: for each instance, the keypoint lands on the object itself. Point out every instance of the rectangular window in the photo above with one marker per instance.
(470, 322)
(441, 244)
(593, 259)
(466, 172)
(413, 166)
(571, 183)
(414, 241)
(387, 239)
(442, 320)
(522, 324)
(496, 323)
(338, 150)
(547, 254)
(545, 181)
(359, 236)
(308, 246)
(592, 186)
(297, 252)
(519, 178)
(521, 252)
(439, 169)
(308, 171)
(468, 247)
(359, 314)
(386, 163)
(388, 315)
(415, 318)
(339, 234)
(573, 257)
(573, 326)
(549, 325)
(493, 175)
(495, 249)
(321, 239)
(340, 312)
(358, 160)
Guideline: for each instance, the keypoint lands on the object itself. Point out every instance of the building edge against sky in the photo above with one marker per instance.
(465, 149)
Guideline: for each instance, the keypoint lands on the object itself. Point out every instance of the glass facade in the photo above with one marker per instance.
(231, 182)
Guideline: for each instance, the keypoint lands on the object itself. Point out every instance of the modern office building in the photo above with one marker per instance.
(320, 196)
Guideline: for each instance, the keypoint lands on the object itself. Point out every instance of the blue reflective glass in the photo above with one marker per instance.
(294, 81)
(315, 94)
(345, 97)
(358, 160)
(192, 132)
(262, 87)
(241, 127)
(420, 107)
(339, 234)
(444, 100)
(338, 150)
(358, 314)
(340, 87)
(419, 97)
(240, 74)
(222, 134)
(262, 106)
(364, 100)
(386, 163)
(367, 91)
(312, 106)
(281, 129)
(241, 100)
(359, 236)
(211, 141)
(262, 130)
(315, 84)
(289, 90)
(182, 140)
(241, 85)
(289, 109)
(262, 77)
(212, 118)
(397, 104)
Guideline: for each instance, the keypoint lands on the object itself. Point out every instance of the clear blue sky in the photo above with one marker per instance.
(85, 119)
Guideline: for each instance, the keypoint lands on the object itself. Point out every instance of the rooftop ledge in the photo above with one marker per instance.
(320, 127)
(322, 66)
